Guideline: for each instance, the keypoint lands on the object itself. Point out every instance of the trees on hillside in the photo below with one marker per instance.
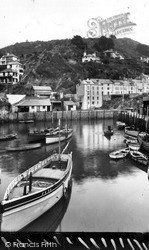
(104, 43)
(78, 41)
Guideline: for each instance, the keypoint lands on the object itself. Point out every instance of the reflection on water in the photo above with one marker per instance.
(107, 195)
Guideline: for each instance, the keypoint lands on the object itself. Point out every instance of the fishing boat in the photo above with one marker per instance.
(109, 131)
(39, 135)
(139, 157)
(119, 154)
(134, 146)
(8, 137)
(24, 147)
(35, 191)
(131, 131)
(61, 135)
(120, 125)
(143, 139)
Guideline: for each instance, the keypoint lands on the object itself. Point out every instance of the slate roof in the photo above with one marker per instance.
(34, 102)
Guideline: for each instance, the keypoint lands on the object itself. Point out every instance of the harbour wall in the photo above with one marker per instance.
(139, 121)
(55, 115)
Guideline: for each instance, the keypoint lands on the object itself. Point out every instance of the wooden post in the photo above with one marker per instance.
(30, 182)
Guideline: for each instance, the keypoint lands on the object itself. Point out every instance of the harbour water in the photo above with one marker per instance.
(106, 195)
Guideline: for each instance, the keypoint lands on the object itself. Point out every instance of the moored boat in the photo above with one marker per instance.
(119, 154)
(24, 147)
(38, 135)
(35, 191)
(131, 132)
(143, 139)
(8, 137)
(134, 146)
(109, 131)
(120, 125)
(61, 135)
(139, 157)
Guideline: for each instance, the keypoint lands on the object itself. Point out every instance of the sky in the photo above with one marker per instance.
(45, 20)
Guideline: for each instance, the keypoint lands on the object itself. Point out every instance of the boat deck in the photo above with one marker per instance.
(43, 178)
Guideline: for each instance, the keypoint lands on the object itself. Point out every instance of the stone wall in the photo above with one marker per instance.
(55, 115)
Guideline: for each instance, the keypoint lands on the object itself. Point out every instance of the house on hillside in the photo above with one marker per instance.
(113, 54)
(89, 94)
(90, 58)
(34, 104)
(10, 69)
(42, 91)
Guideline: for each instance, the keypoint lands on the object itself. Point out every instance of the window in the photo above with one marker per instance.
(92, 87)
(97, 92)
(97, 97)
(88, 92)
(32, 107)
(92, 97)
(92, 102)
(88, 97)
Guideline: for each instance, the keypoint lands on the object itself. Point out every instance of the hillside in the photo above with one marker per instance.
(58, 62)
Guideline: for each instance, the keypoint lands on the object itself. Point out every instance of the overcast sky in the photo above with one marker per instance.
(45, 20)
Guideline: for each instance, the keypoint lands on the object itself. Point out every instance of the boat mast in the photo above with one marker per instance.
(59, 139)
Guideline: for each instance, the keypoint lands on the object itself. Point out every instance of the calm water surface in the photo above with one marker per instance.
(106, 195)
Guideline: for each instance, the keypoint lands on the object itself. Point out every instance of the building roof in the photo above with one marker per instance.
(67, 103)
(14, 63)
(34, 102)
(42, 88)
(14, 98)
(9, 70)
(8, 55)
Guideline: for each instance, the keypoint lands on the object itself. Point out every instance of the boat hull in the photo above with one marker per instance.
(139, 157)
(20, 212)
(129, 132)
(144, 144)
(51, 139)
(34, 137)
(22, 216)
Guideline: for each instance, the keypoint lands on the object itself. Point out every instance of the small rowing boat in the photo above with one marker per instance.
(120, 125)
(119, 154)
(131, 132)
(139, 157)
(134, 146)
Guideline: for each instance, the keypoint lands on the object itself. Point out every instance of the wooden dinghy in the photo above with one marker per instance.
(143, 139)
(134, 146)
(24, 147)
(35, 191)
(131, 132)
(120, 125)
(109, 131)
(139, 157)
(119, 154)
